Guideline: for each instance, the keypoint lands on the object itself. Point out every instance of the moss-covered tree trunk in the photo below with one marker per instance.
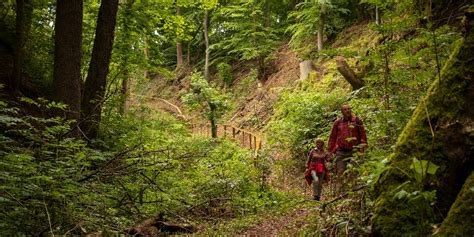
(441, 133)
(460, 216)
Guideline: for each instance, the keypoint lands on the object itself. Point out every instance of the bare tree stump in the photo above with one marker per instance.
(306, 67)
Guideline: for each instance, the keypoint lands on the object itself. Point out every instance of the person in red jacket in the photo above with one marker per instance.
(347, 136)
(316, 171)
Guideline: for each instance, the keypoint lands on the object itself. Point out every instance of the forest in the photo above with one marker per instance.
(236, 118)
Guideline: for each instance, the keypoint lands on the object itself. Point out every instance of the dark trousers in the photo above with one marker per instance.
(342, 159)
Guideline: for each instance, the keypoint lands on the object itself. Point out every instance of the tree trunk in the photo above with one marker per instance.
(459, 219)
(23, 19)
(179, 46)
(306, 67)
(179, 55)
(206, 41)
(440, 132)
(348, 73)
(212, 119)
(124, 91)
(96, 81)
(67, 55)
(146, 54)
(321, 23)
(386, 79)
(377, 16)
(188, 54)
(262, 75)
(266, 15)
(125, 44)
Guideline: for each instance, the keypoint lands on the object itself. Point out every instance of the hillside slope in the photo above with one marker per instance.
(257, 108)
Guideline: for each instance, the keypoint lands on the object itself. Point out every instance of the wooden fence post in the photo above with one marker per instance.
(255, 142)
(250, 141)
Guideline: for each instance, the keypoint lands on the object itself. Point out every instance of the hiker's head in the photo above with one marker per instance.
(346, 110)
(319, 143)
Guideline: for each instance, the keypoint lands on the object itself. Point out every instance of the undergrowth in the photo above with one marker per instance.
(144, 165)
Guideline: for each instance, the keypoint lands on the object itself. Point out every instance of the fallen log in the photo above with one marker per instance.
(349, 74)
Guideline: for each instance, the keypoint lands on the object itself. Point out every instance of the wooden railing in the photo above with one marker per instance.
(247, 139)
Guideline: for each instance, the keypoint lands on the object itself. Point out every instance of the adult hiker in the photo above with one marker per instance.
(316, 171)
(347, 137)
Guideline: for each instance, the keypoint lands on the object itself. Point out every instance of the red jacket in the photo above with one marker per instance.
(346, 134)
(317, 165)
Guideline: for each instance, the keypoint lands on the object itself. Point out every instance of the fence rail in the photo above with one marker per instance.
(246, 139)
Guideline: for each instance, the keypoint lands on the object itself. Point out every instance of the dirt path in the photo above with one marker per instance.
(293, 222)
(287, 225)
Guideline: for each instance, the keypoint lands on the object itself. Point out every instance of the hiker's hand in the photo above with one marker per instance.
(330, 155)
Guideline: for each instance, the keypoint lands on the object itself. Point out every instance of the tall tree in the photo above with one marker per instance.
(207, 6)
(96, 80)
(207, 98)
(379, 6)
(377, 16)
(179, 46)
(247, 38)
(206, 43)
(67, 55)
(23, 20)
(123, 43)
(315, 16)
(321, 24)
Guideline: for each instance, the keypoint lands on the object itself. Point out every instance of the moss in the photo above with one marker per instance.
(407, 213)
(460, 216)
(447, 103)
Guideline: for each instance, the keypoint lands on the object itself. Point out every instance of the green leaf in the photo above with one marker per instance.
(423, 167)
(401, 194)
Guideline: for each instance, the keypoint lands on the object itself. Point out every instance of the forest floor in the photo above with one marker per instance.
(302, 216)
(252, 111)
(299, 216)
(288, 224)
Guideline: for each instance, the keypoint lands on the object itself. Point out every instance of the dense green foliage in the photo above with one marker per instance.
(207, 98)
(302, 115)
(146, 163)
(307, 17)
(430, 137)
(225, 73)
(402, 58)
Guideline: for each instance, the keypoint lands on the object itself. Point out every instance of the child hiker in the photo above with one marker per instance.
(316, 171)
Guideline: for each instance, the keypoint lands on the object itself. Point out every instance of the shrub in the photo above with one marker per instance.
(224, 71)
